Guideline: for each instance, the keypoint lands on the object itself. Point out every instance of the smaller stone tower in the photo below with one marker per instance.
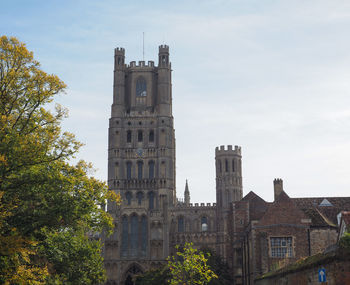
(228, 189)
(187, 195)
(228, 175)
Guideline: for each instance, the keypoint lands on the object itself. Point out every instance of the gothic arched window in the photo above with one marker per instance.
(151, 136)
(226, 165)
(128, 196)
(125, 228)
(180, 224)
(128, 170)
(134, 235)
(141, 87)
(139, 136)
(128, 136)
(139, 169)
(151, 200)
(233, 165)
(139, 197)
(144, 235)
(204, 224)
(151, 169)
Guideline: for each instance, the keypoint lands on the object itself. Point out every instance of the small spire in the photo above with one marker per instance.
(187, 194)
(186, 187)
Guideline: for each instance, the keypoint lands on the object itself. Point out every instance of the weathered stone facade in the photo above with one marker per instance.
(151, 220)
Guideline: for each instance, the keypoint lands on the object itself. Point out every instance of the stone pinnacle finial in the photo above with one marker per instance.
(187, 194)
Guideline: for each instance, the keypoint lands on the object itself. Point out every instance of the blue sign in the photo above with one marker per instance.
(322, 275)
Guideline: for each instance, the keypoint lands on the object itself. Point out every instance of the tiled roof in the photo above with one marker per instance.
(257, 205)
(321, 214)
(338, 202)
(317, 219)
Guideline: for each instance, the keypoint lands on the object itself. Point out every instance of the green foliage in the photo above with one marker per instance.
(162, 275)
(46, 203)
(73, 257)
(154, 277)
(345, 241)
(189, 267)
(219, 267)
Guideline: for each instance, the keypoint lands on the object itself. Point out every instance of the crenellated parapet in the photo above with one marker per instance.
(119, 51)
(195, 205)
(141, 63)
(228, 151)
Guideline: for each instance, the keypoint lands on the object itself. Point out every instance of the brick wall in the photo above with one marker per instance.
(337, 273)
(305, 272)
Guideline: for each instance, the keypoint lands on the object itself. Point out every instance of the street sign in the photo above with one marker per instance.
(322, 275)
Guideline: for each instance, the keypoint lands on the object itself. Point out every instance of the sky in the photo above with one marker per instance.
(270, 76)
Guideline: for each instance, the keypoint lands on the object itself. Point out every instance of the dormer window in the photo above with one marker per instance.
(141, 87)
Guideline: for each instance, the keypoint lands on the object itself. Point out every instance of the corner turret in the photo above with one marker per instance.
(119, 82)
(163, 56)
(164, 99)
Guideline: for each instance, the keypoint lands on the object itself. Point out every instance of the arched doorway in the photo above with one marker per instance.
(133, 270)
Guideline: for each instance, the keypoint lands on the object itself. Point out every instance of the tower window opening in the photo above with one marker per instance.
(128, 196)
(128, 170)
(226, 165)
(180, 225)
(140, 136)
(139, 169)
(151, 200)
(144, 234)
(118, 60)
(134, 236)
(151, 136)
(139, 197)
(204, 224)
(151, 169)
(233, 165)
(125, 238)
(141, 87)
(128, 136)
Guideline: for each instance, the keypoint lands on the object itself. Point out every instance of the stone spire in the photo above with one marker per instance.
(187, 195)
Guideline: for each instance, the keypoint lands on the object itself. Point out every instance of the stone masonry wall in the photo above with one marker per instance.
(322, 238)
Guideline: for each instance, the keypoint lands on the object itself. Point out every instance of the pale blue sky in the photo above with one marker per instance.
(270, 76)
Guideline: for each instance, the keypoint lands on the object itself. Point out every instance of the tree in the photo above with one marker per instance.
(219, 267)
(189, 267)
(154, 277)
(47, 203)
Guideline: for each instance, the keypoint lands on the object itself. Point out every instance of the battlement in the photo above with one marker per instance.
(278, 181)
(223, 151)
(119, 51)
(163, 48)
(141, 63)
(195, 205)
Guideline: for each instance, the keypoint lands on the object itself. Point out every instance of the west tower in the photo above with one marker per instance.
(141, 165)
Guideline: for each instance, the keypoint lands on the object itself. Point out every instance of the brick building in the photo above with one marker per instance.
(269, 235)
(250, 234)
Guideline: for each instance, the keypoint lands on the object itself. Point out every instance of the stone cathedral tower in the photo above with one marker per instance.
(229, 189)
(141, 165)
